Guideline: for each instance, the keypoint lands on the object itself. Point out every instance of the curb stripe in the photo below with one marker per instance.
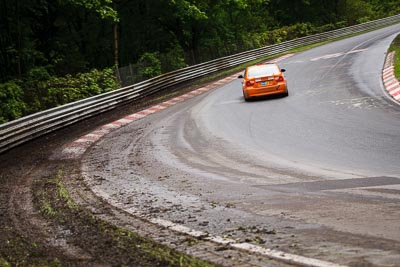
(119, 123)
(89, 138)
(145, 112)
(93, 135)
(83, 140)
(395, 92)
(390, 82)
(124, 121)
(99, 133)
(111, 126)
(390, 79)
(391, 86)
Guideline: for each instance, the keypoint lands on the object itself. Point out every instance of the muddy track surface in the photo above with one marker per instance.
(48, 215)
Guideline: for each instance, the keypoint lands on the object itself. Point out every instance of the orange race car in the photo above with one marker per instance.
(263, 80)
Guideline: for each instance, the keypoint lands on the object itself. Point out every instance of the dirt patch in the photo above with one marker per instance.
(104, 243)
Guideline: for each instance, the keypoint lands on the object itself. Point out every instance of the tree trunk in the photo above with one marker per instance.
(115, 30)
(115, 26)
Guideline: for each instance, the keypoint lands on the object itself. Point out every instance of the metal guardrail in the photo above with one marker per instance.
(27, 128)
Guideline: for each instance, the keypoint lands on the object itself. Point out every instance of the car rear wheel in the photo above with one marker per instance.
(247, 99)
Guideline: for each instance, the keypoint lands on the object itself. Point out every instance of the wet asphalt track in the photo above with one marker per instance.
(314, 174)
(337, 117)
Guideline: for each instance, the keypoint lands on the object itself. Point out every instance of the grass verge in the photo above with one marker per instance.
(395, 46)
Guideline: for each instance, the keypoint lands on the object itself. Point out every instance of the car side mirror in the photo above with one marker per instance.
(283, 70)
(240, 76)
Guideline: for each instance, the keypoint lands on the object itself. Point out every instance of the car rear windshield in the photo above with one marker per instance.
(262, 70)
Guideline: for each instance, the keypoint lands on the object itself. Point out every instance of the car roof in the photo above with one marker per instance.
(263, 70)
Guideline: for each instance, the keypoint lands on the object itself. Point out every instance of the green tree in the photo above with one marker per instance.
(102, 7)
(358, 11)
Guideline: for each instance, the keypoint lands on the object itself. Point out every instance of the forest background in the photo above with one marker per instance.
(54, 52)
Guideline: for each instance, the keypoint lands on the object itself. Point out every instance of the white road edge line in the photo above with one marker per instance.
(270, 253)
(274, 254)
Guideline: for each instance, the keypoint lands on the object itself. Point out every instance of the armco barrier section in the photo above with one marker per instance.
(27, 128)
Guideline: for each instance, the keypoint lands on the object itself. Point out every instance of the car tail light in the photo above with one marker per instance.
(249, 83)
(279, 79)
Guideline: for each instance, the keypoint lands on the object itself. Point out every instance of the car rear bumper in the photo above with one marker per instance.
(270, 90)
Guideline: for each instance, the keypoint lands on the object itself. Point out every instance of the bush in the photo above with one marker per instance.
(363, 20)
(11, 104)
(35, 89)
(62, 90)
(282, 34)
(325, 28)
(173, 59)
(40, 91)
(149, 65)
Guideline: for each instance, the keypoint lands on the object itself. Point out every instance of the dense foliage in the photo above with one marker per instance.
(40, 91)
(43, 40)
